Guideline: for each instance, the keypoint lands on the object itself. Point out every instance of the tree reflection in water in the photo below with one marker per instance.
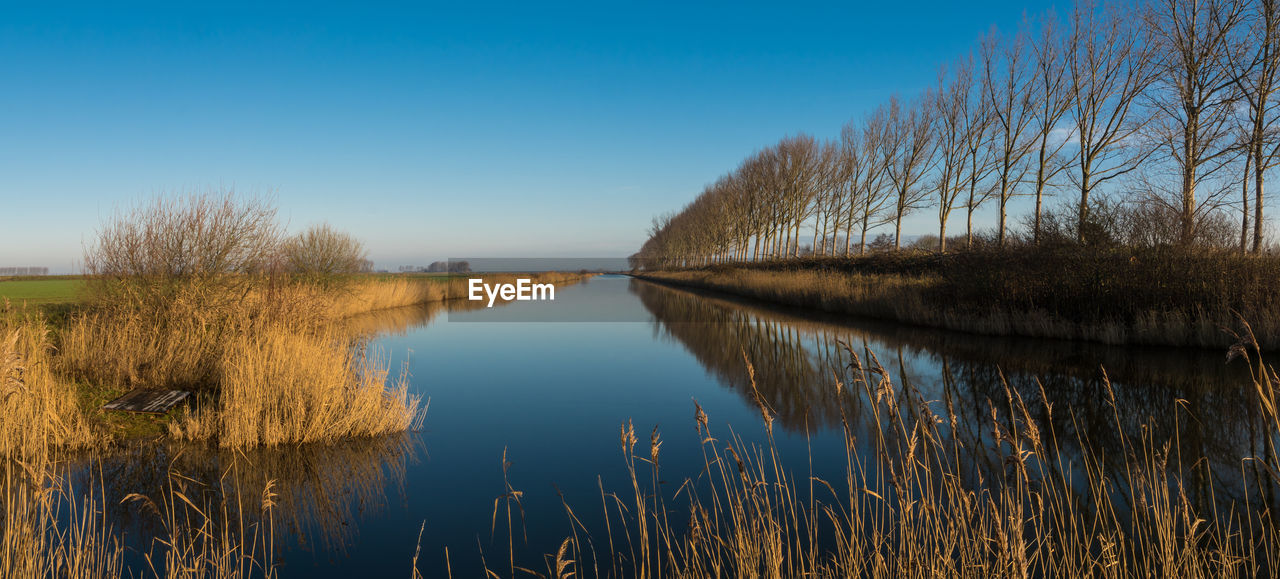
(1192, 397)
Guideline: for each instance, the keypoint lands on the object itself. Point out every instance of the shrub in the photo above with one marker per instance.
(323, 252)
(145, 255)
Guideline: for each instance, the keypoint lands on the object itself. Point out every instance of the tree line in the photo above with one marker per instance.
(1152, 123)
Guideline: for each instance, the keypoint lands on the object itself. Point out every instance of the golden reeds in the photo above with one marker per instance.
(919, 500)
(206, 539)
(50, 529)
(38, 408)
(281, 387)
(918, 299)
(277, 364)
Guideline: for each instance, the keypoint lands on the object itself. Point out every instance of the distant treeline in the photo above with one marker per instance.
(8, 271)
(1157, 123)
(439, 267)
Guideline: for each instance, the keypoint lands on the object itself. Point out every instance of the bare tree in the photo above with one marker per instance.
(797, 166)
(827, 198)
(1257, 77)
(322, 252)
(756, 175)
(866, 159)
(1051, 98)
(1192, 94)
(1007, 80)
(979, 158)
(195, 241)
(908, 155)
(1108, 68)
(951, 113)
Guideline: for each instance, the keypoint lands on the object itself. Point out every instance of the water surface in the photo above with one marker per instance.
(550, 397)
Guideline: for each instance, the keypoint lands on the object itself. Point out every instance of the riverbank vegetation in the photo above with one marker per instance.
(1114, 296)
(205, 293)
(924, 495)
(1141, 131)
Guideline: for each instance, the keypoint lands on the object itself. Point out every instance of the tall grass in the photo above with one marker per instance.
(47, 527)
(179, 341)
(1113, 296)
(206, 538)
(282, 387)
(370, 295)
(182, 341)
(921, 497)
(278, 364)
(50, 529)
(363, 295)
(38, 408)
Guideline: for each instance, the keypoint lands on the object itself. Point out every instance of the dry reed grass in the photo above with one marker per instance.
(279, 364)
(921, 299)
(211, 533)
(364, 296)
(47, 528)
(182, 341)
(50, 529)
(279, 387)
(195, 340)
(921, 499)
(39, 408)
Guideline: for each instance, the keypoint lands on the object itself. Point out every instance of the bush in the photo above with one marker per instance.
(147, 254)
(323, 252)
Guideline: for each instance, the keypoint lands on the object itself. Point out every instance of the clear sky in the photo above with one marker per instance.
(430, 131)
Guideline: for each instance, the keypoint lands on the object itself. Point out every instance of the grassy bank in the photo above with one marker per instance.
(42, 290)
(271, 361)
(276, 363)
(1125, 296)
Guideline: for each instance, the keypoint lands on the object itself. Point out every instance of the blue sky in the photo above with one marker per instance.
(431, 131)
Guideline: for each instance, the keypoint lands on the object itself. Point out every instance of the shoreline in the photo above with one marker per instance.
(947, 292)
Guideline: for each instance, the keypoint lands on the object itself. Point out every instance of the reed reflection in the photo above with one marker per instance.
(321, 492)
(1192, 397)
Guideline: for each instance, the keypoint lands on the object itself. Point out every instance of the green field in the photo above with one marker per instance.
(53, 290)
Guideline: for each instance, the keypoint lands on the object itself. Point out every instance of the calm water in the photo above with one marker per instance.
(552, 395)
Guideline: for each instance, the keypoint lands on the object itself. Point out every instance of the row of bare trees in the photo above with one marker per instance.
(1168, 106)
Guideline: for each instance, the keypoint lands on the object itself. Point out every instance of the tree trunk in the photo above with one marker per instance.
(862, 244)
(1003, 216)
(1244, 204)
(848, 235)
(815, 239)
(968, 228)
(1040, 179)
(795, 251)
(1188, 205)
(1189, 138)
(1084, 205)
(1258, 175)
(1084, 215)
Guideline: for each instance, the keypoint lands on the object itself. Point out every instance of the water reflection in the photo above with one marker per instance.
(555, 393)
(400, 321)
(1192, 397)
(322, 491)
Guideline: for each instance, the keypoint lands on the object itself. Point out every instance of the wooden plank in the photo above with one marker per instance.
(148, 401)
